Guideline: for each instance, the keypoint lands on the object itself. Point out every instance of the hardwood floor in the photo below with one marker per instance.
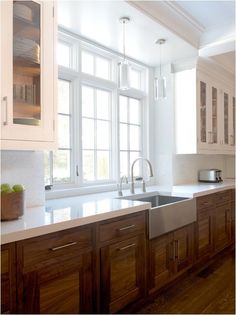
(212, 291)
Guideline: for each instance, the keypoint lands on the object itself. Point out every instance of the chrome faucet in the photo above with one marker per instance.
(132, 173)
(123, 178)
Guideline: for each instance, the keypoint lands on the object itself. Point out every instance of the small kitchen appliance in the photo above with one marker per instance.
(210, 176)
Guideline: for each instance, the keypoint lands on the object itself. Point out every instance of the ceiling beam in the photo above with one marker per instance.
(173, 17)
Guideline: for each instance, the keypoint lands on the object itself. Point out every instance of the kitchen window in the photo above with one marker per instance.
(99, 126)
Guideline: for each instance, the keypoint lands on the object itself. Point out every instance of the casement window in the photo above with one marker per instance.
(100, 128)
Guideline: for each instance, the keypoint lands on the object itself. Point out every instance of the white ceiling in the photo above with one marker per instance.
(99, 21)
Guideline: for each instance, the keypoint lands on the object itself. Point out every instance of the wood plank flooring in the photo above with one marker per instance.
(211, 291)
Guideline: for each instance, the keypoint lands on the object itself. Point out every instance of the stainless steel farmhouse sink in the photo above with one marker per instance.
(168, 212)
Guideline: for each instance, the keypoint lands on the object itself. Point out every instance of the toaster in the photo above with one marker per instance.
(210, 176)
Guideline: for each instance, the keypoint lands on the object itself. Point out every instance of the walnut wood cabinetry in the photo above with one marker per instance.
(122, 262)
(169, 256)
(214, 223)
(54, 273)
(8, 279)
(232, 215)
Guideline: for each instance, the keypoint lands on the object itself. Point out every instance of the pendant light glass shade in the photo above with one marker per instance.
(124, 66)
(124, 75)
(160, 88)
(160, 81)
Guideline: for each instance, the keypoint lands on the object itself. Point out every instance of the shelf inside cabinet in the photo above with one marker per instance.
(25, 29)
(22, 67)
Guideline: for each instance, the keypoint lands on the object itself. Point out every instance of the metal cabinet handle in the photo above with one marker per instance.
(4, 99)
(176, 249)
(63, 246)
(126, 247)
(127, 227)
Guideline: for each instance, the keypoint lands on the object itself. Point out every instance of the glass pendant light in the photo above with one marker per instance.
(160, 81)
(123, 66)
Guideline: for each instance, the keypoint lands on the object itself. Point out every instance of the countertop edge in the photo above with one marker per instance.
(56, 227)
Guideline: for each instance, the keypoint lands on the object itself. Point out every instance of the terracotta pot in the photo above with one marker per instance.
(12, 205)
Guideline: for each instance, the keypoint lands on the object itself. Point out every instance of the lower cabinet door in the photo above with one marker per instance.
(161, 261)
(8, 279)
(222, 229)
(204, 241)
(63, 288)
(183, 248)
(122, 273)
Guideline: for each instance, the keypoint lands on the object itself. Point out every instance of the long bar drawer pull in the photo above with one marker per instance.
(126, 247)
(127, 227)
(63, 246)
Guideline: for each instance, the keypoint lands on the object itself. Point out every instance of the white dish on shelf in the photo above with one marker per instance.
(26, 48)
(22, 11)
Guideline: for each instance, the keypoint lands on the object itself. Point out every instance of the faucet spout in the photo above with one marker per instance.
(132, 171)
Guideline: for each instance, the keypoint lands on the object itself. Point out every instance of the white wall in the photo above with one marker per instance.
(185, 167)
(26, 168)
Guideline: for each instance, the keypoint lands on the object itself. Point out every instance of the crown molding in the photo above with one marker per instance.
(172, 17)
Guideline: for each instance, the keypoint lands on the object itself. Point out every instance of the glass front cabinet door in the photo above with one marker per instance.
(28, 75)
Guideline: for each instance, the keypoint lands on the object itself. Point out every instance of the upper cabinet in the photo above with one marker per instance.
(204, 113)
(28, 75)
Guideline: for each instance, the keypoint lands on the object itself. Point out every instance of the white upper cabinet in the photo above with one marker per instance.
(204, 113)
(28, 75)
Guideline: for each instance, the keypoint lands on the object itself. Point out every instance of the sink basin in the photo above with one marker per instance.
(160, 200)
(168, 213)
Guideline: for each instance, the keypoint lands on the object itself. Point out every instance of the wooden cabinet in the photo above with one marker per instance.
(8, 279)
(204, 227)
(169, 256)
(204, 104)
(54, 273)
(233, 215)
(122, 262)
(28, 75)
(214, 223)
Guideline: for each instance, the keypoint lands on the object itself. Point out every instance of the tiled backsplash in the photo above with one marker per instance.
(26, 168)
(185, 167)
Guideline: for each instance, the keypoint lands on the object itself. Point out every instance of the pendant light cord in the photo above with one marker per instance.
(124, 39)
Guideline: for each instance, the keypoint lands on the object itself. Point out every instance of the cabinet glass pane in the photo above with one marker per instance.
(26, 63)
(226, 118)
(203, 111)
(214, 115)
(233, 121)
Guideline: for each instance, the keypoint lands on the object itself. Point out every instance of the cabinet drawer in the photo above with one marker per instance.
(205, 202)
(123, 227)
(223, 197)
(55, 247)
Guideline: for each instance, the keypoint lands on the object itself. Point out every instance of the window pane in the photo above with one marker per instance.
(134, 111)
(63, 96)
(88, 165)
(138, 164)
(61, 166)
(123, 163)
(102, 68)
(103, 135)
(103, 102)
(87, 63)
(123, 109)
(87, 101)
(134, 135)
(63, 131)
(63, 53)
(135, 77)
(103, 165)
(123, 137)
(88, 133)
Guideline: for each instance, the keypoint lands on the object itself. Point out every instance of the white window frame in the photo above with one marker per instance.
(78, 78)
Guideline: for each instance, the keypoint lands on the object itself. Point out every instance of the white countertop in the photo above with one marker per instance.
(64, 213)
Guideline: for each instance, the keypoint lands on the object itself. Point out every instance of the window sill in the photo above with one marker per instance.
(80, 191)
